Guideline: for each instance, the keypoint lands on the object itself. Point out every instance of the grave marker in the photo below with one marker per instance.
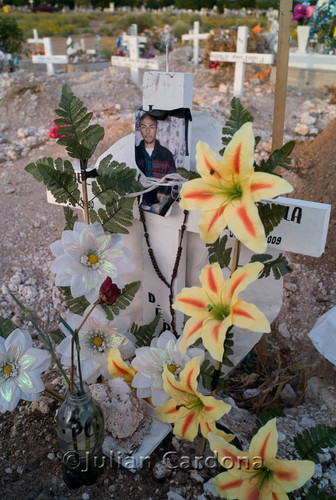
(240, 58)
(49, 58)
(195, 37)
(134, 62)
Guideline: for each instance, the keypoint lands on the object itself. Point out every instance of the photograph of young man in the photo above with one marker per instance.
(153, 160)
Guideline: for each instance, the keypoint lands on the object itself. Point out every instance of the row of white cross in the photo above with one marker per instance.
(240, 58)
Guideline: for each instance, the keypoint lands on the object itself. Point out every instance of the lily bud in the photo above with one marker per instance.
(108, 292)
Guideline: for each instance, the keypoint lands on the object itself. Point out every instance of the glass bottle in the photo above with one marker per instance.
(80, 434)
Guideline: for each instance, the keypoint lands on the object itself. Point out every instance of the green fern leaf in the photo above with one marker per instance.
(187, 174)
(145, 333)
(70, 218)
(77, 305)
(278, 266)
(314, 493)
(279, 158)
(265, 415)
(228, 343)
(237, 118)
(115, 177)
(312, 440)
(117, 215)
(58, 180)
(79, 138)
(271, 215)
(57, 335)
(124, 299)
(6, 327)
(218, 252)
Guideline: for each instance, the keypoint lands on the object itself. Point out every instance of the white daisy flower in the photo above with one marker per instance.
(20, 368)
(96, 337)
(86, 256)
(149, 362)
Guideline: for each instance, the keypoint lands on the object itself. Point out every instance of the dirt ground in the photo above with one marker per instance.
(30, 463)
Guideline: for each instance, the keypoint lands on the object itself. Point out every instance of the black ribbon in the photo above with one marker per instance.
(163, 114)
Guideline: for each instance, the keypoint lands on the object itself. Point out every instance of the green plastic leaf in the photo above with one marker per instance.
(124, 299)
(117, 216)
(271, 215)
(314, 493)
(237, 118)
(265, 415)
(79, 138)
(6, 327)
(218, 252)
(57, 335)
(278, 266)
(77, 305)
(187, 174)
(70, 218)
(57, 178)
(228, 351)
(313, 440)
(279, 158)
(145, 333)
(115, 177)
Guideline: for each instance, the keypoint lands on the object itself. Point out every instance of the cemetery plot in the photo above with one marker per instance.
(240, 58)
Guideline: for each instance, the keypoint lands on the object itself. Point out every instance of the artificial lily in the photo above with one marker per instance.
(257, 474)
(215, 307)
(187, 408)
(228, 189)
(118, 368)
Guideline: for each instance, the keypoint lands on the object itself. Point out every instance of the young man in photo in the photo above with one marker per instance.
(155, 161)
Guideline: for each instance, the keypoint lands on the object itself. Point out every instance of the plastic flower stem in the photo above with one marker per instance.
(74, 337)
(45, 338)
(85, 196)
(218, 364)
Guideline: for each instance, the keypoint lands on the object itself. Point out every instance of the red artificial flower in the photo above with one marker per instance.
(108, 292)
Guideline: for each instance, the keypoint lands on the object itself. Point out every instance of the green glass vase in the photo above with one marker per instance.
(80, 435)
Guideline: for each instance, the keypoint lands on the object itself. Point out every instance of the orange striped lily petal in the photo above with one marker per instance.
(118, 368)
(213, 335)
(246, 315)
(192, 301)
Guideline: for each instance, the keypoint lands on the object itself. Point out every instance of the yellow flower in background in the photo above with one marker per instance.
(257, 474)
(118, 368)
(215, 307)
(188, 409)
(228, 189)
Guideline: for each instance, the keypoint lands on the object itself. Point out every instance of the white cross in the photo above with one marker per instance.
(195, 37)
(311, 61)
(241, 57)
(36, 39)
(134, 62)
(49, 59)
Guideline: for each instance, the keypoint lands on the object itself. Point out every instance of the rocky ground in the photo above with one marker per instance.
(30, 463)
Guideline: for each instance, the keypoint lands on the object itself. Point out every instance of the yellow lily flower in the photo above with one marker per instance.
(188, 409)
(228, 189)
(257, 474)
(215, 307)
(118, 368)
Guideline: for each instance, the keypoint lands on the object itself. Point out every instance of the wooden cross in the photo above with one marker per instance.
(49, 58)
(195, 36)
(240, 58)
(134, 62)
